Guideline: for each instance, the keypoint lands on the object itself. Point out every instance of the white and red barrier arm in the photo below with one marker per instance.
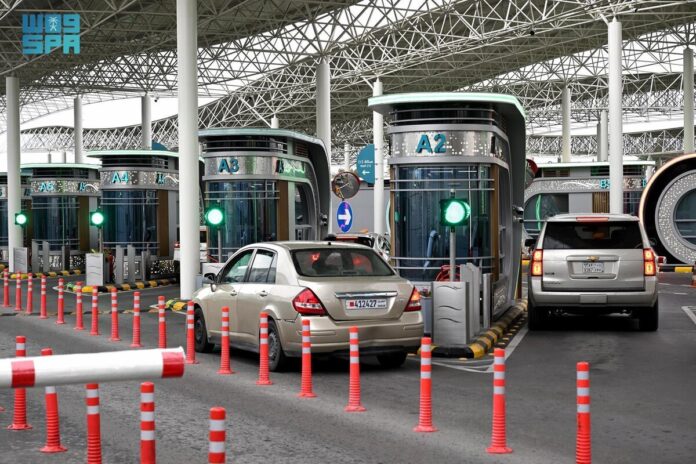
(112, 366)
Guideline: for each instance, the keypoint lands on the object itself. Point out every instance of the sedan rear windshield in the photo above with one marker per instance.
(592, 235)
(339, 262)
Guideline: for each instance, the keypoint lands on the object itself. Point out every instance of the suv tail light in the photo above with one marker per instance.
(414, 303)
(649, 267)
(537, 263)
(308, 304)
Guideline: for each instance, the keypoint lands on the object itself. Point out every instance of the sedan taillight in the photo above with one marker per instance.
(649, 267)
(537, 263)
(308, 304)
(414, 303)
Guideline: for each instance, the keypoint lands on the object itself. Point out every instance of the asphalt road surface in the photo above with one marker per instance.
(642, 397)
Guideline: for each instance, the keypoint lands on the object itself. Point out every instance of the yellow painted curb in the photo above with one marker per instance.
(683, 269)
(87, 289)
(125, 287)
(139, 285)
(152, 283)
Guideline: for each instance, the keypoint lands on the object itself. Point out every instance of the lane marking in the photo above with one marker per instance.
(689, 310)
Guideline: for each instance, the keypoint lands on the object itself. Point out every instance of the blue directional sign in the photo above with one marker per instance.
(365, 165)
(344, 216)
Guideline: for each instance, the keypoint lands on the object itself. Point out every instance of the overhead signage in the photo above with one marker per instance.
(63, 186)
(290, 168)
(140, 179)
(222, 167)
(365, 164)
(42, 33)
(344, 216)
(436, 145)
(345, 185)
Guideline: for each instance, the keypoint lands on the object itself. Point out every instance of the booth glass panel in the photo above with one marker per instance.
(542, 206)
(250, 209)
(131, 219)
(421, 243)
(55, 221)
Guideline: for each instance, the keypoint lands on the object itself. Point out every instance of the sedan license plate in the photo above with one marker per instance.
(366, 303)
(593, 268)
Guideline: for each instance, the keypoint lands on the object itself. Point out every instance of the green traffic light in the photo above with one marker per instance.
(96, 218)
(454, 212)
(21, 219)
(214, 216)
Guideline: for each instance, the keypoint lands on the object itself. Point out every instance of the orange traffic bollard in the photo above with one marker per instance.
(43, 314)
(499, 434)
(52, 419)
(425, 416)
(6, 288)
(95, 312)
(264, 377)
(191, 336)
(19, 416)
(583, 443)
(94, 448)
(18, 293)
(79, 316)
(225, 343)
(162, 342)
(217, 436)
(147, 423)
(30, 294)
(354, 403)
(61, 303)
(306, 384)
(114, 316)
(136, 321)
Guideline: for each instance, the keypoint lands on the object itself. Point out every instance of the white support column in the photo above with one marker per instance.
(565, 125)
(615, 120)
(146, 121)
(688, 83)
(603, 142)
(324, 113)
(189, 214)
(14, 191)
(77, 130)
(378, 135)
(274, 123)
(346, 157)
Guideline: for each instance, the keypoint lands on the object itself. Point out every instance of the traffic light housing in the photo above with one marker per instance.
(21, 219)
(454, 212)
(97, 218)
(214, 216)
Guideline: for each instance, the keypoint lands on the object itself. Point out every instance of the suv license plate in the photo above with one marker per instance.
(592, 268)
(366, 303)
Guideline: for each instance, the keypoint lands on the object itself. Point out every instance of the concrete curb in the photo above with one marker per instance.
(124, 287)
(38, 275)
(487, 339)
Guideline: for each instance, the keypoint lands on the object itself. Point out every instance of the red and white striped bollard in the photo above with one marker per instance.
(264, 377)
(95, 312)
(79, 314)
(225, 343)
(61, 302)
(136, 321)
(425, 416)
(162, 342)
(191, 335)
(6, 288)
(19, 414)
(114, 316)
(499, 433)
(94, 449)
(583, 441)
(306, 383)
(147, 423)
(53, 444)
(354, 403)
(217, 436)
(30, 294)
(18, 293)
(43, 313)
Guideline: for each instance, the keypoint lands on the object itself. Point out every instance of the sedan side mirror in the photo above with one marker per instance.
(209, 278)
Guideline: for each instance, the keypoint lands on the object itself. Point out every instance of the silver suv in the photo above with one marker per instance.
(593, 264)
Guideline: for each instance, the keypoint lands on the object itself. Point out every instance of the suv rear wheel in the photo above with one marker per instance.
(648, 318)
(536, 317)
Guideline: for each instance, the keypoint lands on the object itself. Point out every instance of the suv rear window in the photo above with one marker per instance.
(592, 235)
(339, 262)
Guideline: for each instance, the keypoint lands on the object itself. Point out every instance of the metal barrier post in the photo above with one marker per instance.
(64, 258)
(118, 265)
(35, 261)
(486, 299)
(46, 253)
(131, 263)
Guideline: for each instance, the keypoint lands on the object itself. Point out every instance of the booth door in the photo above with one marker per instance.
(297, 221)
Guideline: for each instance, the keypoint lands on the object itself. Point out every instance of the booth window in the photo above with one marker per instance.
(3, 223)
(685, 217)
(131, 219)
(250, 208)
(55, 221)
(422, 244)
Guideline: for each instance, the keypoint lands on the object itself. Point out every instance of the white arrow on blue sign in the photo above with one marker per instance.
(344, 216)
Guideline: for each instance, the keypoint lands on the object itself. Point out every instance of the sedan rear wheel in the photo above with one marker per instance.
(201, 333)
(392, 360)
(277, 361)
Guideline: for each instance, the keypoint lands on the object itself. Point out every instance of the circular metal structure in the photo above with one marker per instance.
(345, 185)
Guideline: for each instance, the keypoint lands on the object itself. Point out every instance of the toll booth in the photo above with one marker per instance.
(474, 145)
(272, 184)
(580, 187)
(139, 199)
(26, 206)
